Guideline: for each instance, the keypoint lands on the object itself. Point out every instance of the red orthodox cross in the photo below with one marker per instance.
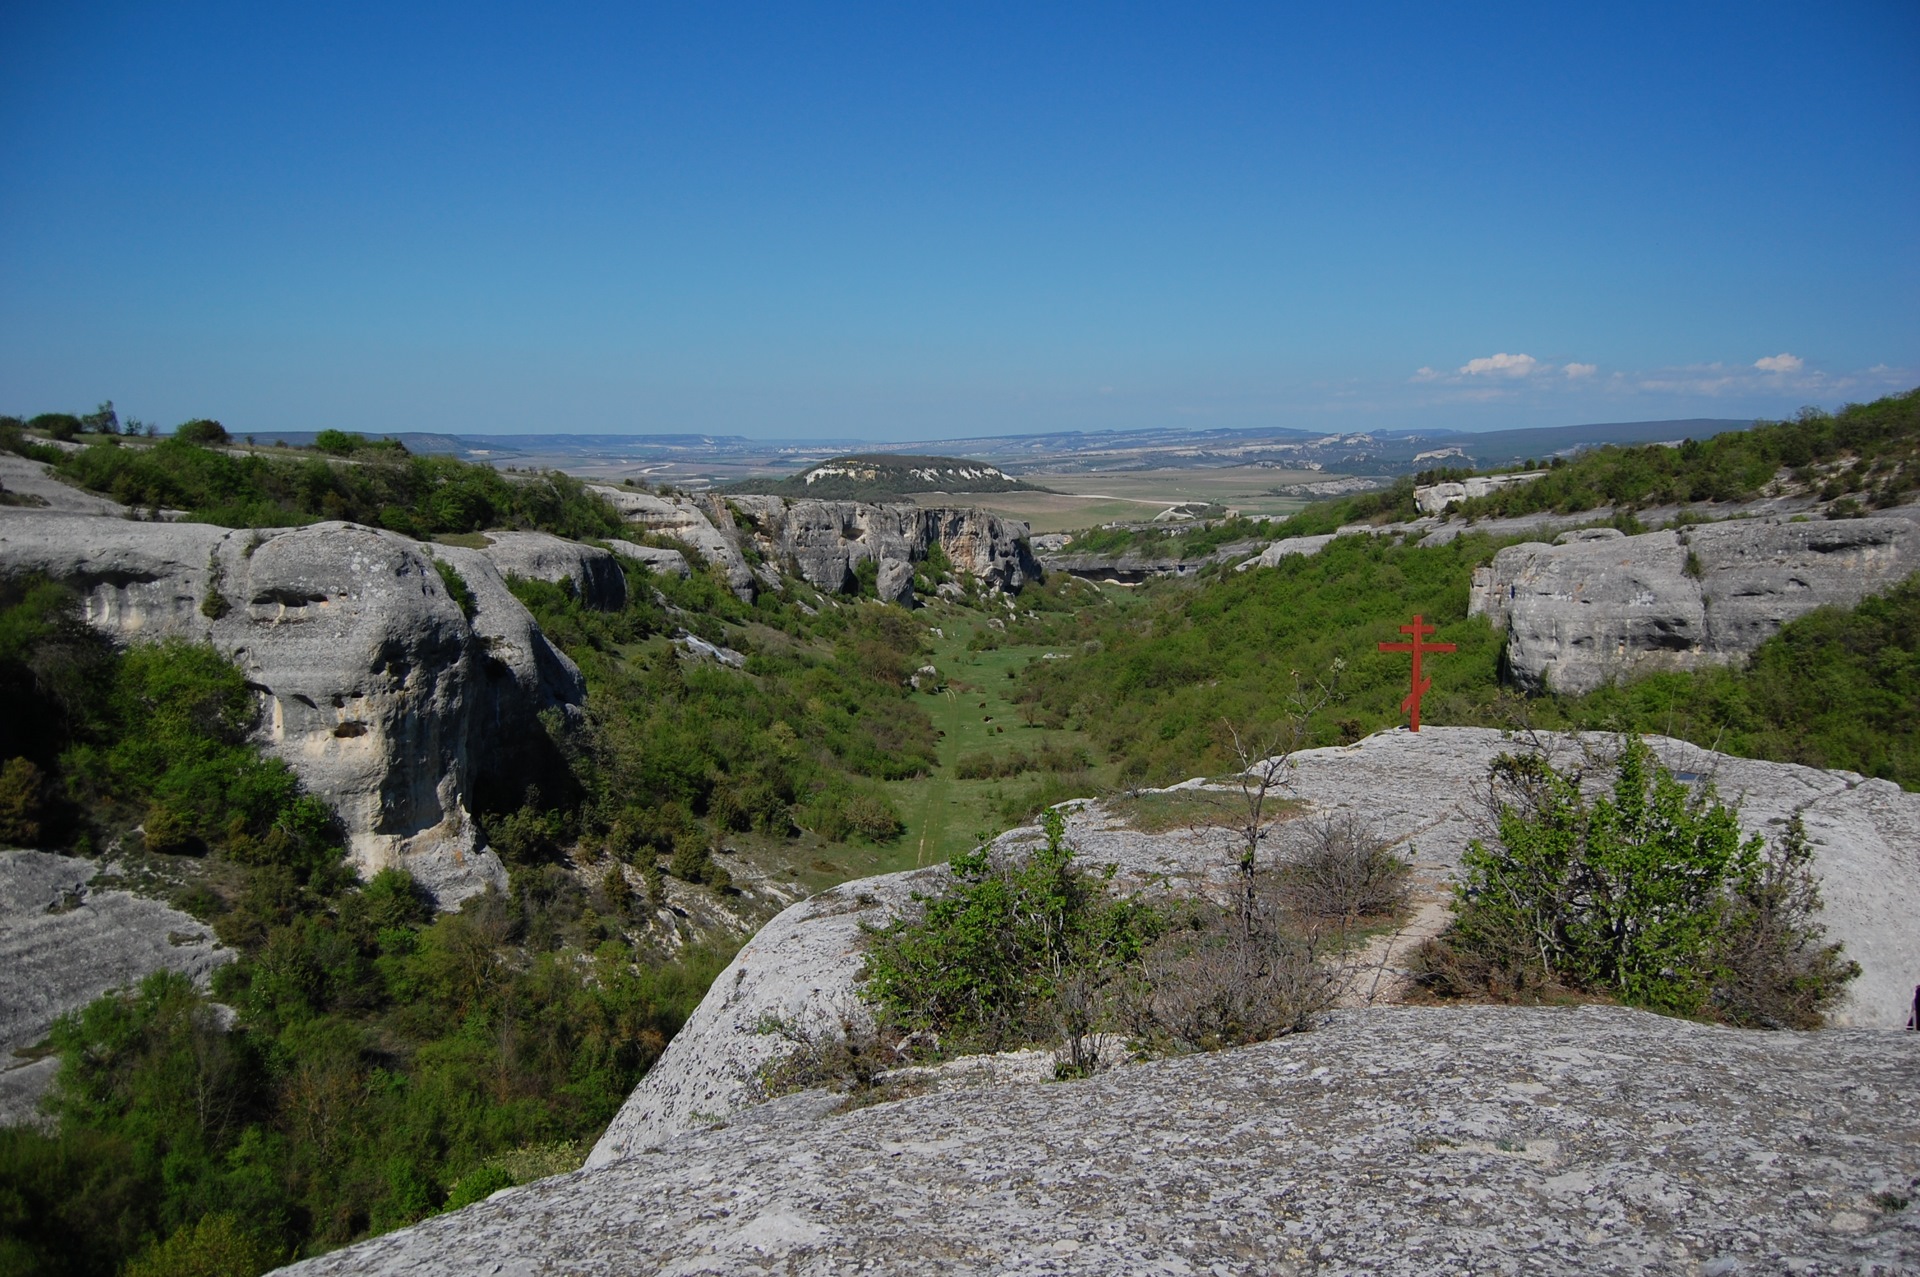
(1419, 629)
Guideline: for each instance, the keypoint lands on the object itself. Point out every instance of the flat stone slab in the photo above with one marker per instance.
(1396, 1141)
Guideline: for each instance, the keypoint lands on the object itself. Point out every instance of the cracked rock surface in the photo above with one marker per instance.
(1399, 1141)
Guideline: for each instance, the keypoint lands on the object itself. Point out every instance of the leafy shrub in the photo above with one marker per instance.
(457, 588)
(985, 962)
(1650, 895)
(22, 799)
(208, 434)
(216, 1245)
(477, 1185)
(844, 811)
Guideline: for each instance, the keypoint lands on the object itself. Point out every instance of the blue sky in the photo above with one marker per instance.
(910, 221)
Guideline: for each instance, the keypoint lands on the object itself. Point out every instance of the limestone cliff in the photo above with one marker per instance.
(825, 542)
(1597, 606)
(381, 694)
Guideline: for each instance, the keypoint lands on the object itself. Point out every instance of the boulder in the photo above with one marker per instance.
(1598, 607)
(1436, 498)
(595, 575)
(385, 699)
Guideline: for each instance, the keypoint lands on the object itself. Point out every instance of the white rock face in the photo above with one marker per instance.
(1587, 612)
(1403, 1141)
(1436, 498)
(683, 519)
(385, 699)
(540, 556)
(825, 542)
(1422, 790)
(64, 941)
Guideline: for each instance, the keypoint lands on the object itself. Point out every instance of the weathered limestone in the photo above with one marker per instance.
(1436, 498)
(656, 558)
(1399, 1141)
(65, 940)
(825, 542)
(1420, 790)
(596, 576)
(684, 520)
(384, 698)
(1594, 608)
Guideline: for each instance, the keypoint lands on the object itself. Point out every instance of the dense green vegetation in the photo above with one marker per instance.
(1154, 684)
(1869, 450)
(678, 756)
(376, 483)
(382, 1057)
(1649, 895)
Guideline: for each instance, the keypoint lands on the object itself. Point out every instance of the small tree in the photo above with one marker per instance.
(1264, 758)
(206, 433)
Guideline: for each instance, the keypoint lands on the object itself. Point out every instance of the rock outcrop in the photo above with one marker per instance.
(1420, 790)
(655, 558)
(1597, 606)
(825, 542)
(1393, 1141)
(540, 556)
(382, 695)
(1436, 498)
(65, 939)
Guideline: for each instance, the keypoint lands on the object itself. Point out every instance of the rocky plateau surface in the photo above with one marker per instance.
(1424, 791)
(67, 936)
(1386, 1141)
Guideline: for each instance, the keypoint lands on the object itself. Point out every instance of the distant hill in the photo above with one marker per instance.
(879, 476)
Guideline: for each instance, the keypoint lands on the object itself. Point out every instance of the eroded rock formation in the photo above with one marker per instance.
(1596, 606)
(593, 573)
(382, 695)
(825, 542)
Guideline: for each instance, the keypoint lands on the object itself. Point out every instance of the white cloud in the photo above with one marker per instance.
(1577, 371)
(1426, 374)
(1500, 365)
(1782, 362)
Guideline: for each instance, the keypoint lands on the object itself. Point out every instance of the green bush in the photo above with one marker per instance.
(216, 1245)
(985, 962)
(208, 434)
(1649, 895)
